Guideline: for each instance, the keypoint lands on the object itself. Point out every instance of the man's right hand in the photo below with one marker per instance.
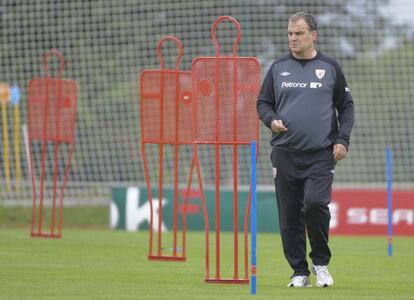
(277, 126)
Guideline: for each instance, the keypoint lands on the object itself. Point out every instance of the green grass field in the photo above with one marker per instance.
(103, 264)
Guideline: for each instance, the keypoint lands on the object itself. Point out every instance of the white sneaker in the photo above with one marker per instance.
(323, 278)
(299, 281)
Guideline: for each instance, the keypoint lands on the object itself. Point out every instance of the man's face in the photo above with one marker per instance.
(301, 39)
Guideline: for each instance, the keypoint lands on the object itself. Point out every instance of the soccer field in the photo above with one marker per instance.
(100, 264)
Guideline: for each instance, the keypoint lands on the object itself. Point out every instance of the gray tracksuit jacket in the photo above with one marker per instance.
(312, 99)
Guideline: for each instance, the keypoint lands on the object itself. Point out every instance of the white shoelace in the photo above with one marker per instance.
(322, 271)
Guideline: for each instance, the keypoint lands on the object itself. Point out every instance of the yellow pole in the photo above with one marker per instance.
(4, 98)
(17, 146)
(6, 146)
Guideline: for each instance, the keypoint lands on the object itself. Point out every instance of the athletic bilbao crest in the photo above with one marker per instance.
(320, 73)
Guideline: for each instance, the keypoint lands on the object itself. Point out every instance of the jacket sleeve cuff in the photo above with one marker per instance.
(342, 141)
(269, 123)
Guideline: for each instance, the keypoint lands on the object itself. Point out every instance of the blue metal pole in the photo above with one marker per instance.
(253, 217)
(389, 198)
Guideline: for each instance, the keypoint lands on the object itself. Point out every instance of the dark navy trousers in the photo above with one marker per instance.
(303, 183)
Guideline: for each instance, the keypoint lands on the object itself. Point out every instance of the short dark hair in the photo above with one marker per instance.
(309, 19)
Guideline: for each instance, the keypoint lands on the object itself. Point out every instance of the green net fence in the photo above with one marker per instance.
(107, 43)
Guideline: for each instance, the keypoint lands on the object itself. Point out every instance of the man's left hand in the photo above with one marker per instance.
(339, 152)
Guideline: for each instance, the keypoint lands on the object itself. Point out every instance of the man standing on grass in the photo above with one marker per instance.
(306, 103)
